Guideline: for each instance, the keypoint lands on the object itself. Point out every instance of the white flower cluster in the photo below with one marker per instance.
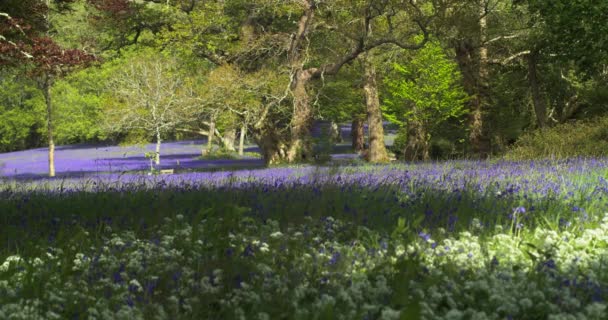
(237, 268)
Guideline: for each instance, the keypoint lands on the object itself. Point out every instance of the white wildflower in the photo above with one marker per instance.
(134, 283)
(400, 250)
(11, 259)
(264, 247)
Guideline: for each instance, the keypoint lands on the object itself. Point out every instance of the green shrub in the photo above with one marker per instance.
(573, 139)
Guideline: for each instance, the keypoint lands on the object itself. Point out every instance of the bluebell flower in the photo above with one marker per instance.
(335, 257)
(130, 302)
(550, 264)
(117, 278)
(520, 210)
(424, 236)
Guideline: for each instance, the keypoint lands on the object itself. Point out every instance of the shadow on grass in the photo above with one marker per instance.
(364, 199)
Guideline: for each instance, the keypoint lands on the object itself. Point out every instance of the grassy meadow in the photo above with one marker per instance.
(443, 240)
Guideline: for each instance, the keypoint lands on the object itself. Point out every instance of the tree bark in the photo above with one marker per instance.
(242, 140)
(477, 135)
(46, 89)
(273, 148)
(377, 149)
(300, 145)
(335, 133)
(229, 139)
(474, 75)
(358, 134)
(540, 108)
(210, 137)
(158, 142)
(417, 146)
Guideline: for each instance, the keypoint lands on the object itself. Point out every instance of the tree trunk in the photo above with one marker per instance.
(242, 140)
(300, 147)
(473, 85)
(273, 149)
(210, 137)
(46, 88)
(335, 134)
(540, 108)
(358, 134)
(158, 142)
(377, 149)
(477, 135)
(417, 146)
(229, 139)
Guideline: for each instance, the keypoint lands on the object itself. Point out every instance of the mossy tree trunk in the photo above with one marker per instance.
(377, 149)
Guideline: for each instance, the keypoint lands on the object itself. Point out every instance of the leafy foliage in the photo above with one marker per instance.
(572, 139)
(425, 89)
(578, 27)
(21, 113)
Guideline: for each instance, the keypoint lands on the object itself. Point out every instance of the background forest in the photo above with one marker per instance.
(467, 78)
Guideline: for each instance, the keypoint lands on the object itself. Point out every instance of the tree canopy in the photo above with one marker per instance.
(473, 75)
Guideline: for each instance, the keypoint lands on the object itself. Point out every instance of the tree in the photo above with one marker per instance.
(150, 96)
(377, 150)
(44, 58)
(323, 38)
(576, 30)
(21, 112)
(424, 93)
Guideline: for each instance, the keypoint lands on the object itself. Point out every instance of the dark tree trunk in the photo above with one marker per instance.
(46, 89)
(473, 85)
(479, 135)
(417, 146)
(540, 108)
(377, 149)
(358, 134)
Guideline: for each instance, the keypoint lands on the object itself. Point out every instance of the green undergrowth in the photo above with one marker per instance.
(573, 139)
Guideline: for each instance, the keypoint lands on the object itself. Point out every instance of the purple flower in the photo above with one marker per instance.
(520, 210)
(564, 223)
(248, 252)
(424, 236)
(335, 257)
(550, 264)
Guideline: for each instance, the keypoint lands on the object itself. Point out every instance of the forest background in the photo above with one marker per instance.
(457, 78)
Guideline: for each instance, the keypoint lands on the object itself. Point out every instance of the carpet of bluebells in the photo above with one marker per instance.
(93, 160)
(449, 240)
